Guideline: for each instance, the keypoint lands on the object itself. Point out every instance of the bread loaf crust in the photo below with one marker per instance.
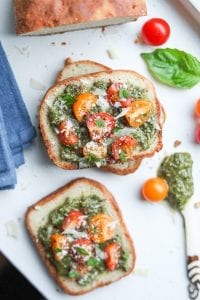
(36, 15)
(74, 184)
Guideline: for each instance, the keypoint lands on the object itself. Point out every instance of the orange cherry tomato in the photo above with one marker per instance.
(73, 220)
(197, 134)
(83, 104)
(197, 109)
(122, 148)
(101, 228)
(112, 253)
(66, 134)
(155, 189)
(58, 243)
(139, 112)
(114, 96)
(100, 125)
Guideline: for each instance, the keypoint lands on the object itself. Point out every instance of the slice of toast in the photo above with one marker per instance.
(77, 191)
(126, 77)
(83, 67)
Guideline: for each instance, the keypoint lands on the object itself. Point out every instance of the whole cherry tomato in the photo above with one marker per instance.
(197, 109)
(155, 189)
(155, 32)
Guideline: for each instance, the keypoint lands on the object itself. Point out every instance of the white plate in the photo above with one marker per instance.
(156, 230)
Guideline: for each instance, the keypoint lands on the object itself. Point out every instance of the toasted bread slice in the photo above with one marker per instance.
(87, 81)
(40, 17)
(37, 216)
(83, 67)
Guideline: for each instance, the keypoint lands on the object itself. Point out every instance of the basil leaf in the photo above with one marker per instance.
(92, 261)
(123, 93)
(73, 274)
(68, 99)
(82, 251)
(173, 67)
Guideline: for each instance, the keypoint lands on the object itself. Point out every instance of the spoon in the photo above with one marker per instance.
(192, 237)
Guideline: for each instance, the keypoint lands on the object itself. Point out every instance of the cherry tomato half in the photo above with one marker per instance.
(122, 148)
(197, 134)
(155, 32)
(118, 96)
(139, 112)
(84, 102)
(100, 125)
(66, 134)
(197, 109)
(102, 228)
(155, 189)
(73, 220)
(112, 253)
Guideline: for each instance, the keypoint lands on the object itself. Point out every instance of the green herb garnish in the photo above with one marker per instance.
(100, 123)
(82, 251)
(123, 93)
(73, 274)
(92, 261)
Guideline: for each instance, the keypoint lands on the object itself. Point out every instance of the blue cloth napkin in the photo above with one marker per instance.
(15, 119)
(7, 166)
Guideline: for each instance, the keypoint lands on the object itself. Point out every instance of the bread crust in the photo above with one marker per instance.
(37, 15)
(51, 197)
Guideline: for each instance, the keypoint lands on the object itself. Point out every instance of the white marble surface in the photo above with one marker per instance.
(158, 233)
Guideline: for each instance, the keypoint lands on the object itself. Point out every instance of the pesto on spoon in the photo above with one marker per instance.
(176, 169)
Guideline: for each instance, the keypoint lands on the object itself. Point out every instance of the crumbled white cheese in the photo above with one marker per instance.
(112, 54)
(36, 85)
(75, 233)
(122, 113)
(141, 271)
(12, 229)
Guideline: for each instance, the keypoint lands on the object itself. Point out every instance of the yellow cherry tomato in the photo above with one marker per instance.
(84, 102)
(155, 189)
(139, 112)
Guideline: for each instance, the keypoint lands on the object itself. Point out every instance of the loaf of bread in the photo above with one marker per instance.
(81, 236)
(82, 67)
(84, 123)
(39, 17)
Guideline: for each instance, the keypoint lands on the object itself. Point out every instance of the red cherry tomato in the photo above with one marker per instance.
(122, 148)
(155, 32)
(112, 252)
(67, 135)
(155, 189)
(100, 125)
(116, 95)
(197, 109)
(197, 134)
(73, 220)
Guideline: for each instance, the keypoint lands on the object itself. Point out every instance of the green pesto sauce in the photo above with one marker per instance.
(62, 109)
(66, 267)
(176, 169)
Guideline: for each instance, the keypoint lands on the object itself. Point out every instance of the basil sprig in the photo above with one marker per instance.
(173, 67)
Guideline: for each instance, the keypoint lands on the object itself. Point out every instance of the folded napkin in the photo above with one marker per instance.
(20, 132)
(7, 166)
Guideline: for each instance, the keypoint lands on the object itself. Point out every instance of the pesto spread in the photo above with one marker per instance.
(176, 169)
(103, 122)
(82, 240)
